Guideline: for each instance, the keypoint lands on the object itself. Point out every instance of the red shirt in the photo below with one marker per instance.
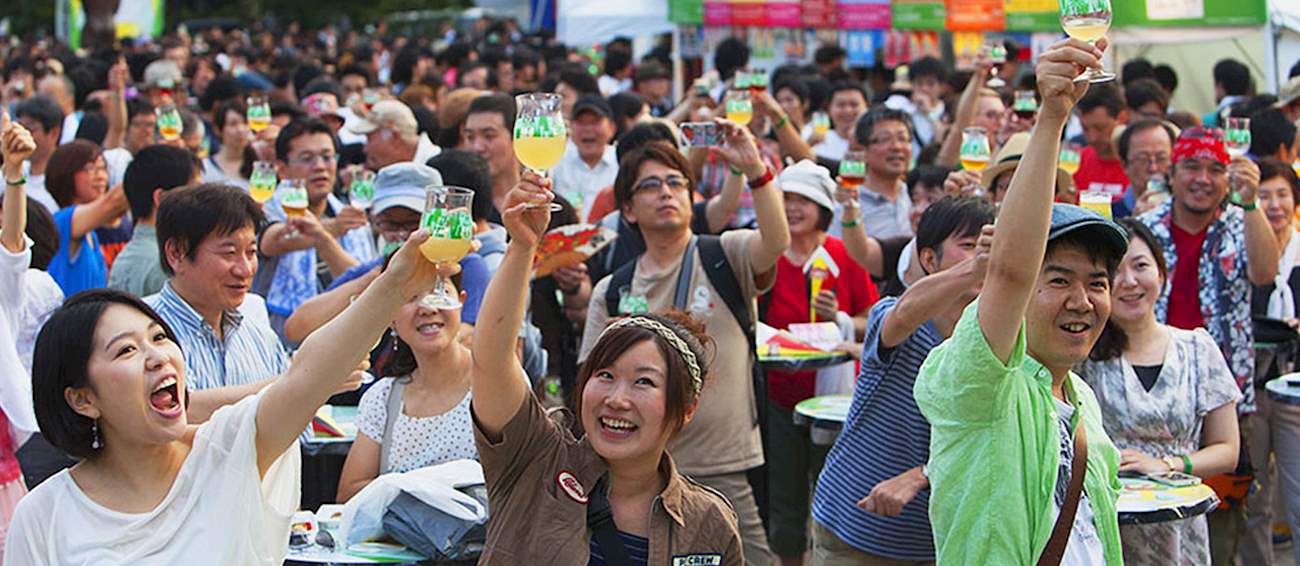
(1184, 295)
(1097, 174)
(790, 301)
(9, 470)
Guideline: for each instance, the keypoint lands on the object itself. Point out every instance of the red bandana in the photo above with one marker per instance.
(1201, 143)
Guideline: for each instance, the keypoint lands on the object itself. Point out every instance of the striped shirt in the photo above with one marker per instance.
(248, 351)
(884, 436)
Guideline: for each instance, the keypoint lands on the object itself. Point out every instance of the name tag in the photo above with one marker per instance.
(697, 560)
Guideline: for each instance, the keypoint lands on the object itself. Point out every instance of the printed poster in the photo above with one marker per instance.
(917, 14)
(783, 14)
(864, 14)
(750, 13)
(1033, 15)
(975, 15)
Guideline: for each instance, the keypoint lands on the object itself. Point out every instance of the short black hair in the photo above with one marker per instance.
(93, 127)
(617, 58)
(576, 76)
(1139, 126)
(137, 106)
(1136, 69)
(731, 55)
(796, 85)
(819, 89)
(828, 53)
(467, 169)
(298, 128)
(1106, 96)
(287, 108)
(867, 123)
(642, 134)
(925, 176)
(1269, 130)
(466, 68)
(928, 66)
(219, 117)
(952, 217)
(355, 69)
(1233, 76)
(524, 57)
(1167, 77)
(42, 109)
(625, 105)
(223, 87)
(1086, 241)
(191, 214)
(155, 167)
(323, 84)
(845, 86)
(1140, 92)
(501, 104)
(61, 361)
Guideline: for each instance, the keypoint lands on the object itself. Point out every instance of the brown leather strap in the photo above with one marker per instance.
(1055, 548)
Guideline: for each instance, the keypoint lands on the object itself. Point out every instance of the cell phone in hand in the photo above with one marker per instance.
(1175, 479)
(702, 134)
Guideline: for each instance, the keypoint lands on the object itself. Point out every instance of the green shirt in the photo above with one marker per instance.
(137, 269)
(994, 451)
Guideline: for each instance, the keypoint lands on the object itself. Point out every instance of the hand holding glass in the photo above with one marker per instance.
(451, 234)
(261, 184)
(540, 132)
(821, 123)
(361, 192)
(1087, 20)
(259, 113)
(997, 54)
(740, 107)
(169, 122)
(293, 199)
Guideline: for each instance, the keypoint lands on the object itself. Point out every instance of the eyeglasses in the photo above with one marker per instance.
(905, 139)
(308, 159)
(386, 227)
(1147, 160)
(674, 182)
(95, 167)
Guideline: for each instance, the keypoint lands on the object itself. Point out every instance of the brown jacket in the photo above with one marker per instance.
(538, 476)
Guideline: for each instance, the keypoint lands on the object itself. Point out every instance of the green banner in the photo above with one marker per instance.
(1183, 13)
(689, 12)
(918, 14)
(1033, 21)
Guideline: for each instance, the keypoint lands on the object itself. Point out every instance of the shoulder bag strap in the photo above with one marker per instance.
(1055, 548)
(682, 294)
(600, 519)
(393, 409)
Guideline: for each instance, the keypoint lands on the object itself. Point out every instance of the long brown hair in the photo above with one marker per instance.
(680, 391)
(1113, 340)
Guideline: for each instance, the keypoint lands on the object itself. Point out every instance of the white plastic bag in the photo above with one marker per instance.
(363, 516)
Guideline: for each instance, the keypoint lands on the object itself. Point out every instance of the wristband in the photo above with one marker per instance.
(1235, 198)
(850, 223)
(734, 171)
(785, 118)
(17, 183)
(1187, 464)
(1249, 207)
(764, 179)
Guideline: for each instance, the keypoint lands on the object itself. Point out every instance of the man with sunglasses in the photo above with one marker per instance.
(1215, 253)
(653, 193)
(304, 253)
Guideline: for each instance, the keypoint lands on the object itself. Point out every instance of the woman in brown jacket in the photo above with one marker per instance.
(639, 387)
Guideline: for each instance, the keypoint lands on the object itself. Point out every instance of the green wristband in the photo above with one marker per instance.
(850, 223)
(1187, 464)
(734, 171)
(782, 122)
(17, 183)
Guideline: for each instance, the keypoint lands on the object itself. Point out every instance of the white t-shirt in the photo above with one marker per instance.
(217, 511)
(418, 442)
(1084, 547)
(832, 147)
(41, 297)
(15, 380)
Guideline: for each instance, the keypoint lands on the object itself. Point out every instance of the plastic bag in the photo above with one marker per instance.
(433, 532)
(435, 486)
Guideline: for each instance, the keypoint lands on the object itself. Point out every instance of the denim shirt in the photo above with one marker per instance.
(1224, 291)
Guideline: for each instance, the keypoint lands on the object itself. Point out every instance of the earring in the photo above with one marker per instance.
(95, 444)
(392, 338)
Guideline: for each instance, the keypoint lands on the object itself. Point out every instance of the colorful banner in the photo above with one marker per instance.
(1174, 13)
(690, 12)
(818, 14)
(918, 14)
(864, 14)
(974, 15)
(861, 46)
(752, 13)
(783, 14)
(1033, 15)
(717, 12)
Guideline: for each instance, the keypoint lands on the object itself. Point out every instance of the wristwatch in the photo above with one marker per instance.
(1172, 463)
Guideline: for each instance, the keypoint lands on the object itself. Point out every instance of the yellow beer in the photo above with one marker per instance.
(1096, 201)
(445, 250)
(293, 212)
(971, 164)
(740, 116)
(259, 123)
(263, 192)
(1087, 29)
(540, 153)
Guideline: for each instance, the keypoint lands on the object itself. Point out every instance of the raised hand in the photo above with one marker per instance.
(1057, 69)
(527, 210)
(741, 151)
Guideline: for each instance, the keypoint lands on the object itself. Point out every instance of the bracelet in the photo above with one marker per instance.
(734, 171)
(20, 182)
(850, 223)
(1235, 198)
(762, 180)
(785, 119)
(1187, 464)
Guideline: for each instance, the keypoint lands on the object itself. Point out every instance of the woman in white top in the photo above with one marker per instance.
(429, 423)
(151, 488)
(234, 161)
(1167, 398)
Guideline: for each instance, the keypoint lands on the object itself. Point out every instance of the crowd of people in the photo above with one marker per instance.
(1001, 379)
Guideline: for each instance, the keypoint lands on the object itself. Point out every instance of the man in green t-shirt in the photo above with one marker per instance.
(999, 394)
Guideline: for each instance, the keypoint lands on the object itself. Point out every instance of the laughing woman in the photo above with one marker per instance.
(640, 385)
(109, 388)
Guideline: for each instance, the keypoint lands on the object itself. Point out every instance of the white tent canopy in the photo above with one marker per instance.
(588, 22)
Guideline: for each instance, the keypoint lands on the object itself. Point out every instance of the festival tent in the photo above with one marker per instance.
(588, 22)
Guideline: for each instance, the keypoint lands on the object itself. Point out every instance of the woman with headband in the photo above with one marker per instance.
(614, 495)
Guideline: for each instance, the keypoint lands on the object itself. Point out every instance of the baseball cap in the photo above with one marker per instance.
(592, 103)
(1069, 219)
(163, 73)
(402, 184)
(392, 114)
(809, 180)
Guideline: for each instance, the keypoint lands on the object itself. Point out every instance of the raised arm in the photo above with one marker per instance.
(329, 356)
(1021, 239)
(722, 206)
(769, 205)
(115, 110)
(101, 212)
(936, 293)
(792, 144)
(863, 249)
(498, 376)
(1261, 245)
(965, 114)
(318, 310)
(16, 144)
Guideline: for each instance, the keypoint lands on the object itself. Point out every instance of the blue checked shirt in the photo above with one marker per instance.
(248, 352)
